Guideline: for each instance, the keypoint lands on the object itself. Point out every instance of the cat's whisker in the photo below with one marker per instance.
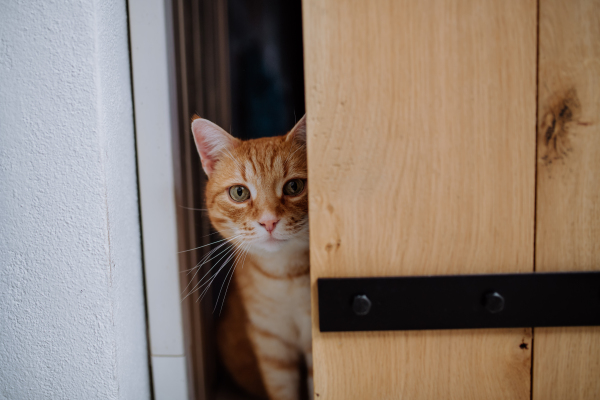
(233, 158)
(201, 263)
(217, 241)
(289, 152)
(199, 285)
(246, 250)
(290, 155)
(234, 247)
(230, 274)
(235, 264)
(197, 209)
(203, 260)
(208, 257)
(212, 279)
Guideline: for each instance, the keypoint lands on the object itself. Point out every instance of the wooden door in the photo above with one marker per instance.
(422, 156)
(567, 360)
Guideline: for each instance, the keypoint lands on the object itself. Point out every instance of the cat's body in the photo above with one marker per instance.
(257, 197)
(276, 323)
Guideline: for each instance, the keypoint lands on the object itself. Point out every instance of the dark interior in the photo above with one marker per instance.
(266, 67)
(238, 63)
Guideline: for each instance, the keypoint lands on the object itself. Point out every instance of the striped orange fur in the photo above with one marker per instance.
(257, 198)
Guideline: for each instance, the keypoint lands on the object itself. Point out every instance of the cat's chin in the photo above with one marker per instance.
(272, 245)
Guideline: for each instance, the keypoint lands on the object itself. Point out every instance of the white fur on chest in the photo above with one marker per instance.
(282, 305)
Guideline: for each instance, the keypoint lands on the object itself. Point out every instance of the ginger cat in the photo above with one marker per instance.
(257, 199)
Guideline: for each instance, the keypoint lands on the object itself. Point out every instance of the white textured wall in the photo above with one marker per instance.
(72, 322)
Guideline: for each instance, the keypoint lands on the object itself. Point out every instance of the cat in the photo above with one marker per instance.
(256, 197)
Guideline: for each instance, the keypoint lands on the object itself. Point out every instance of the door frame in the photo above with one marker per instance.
(155, 114)
(180, 67)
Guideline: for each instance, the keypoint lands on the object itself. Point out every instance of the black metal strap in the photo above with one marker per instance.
(459, 302)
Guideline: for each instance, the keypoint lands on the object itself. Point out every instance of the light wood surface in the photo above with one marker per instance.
(567, 360)
(421, 151)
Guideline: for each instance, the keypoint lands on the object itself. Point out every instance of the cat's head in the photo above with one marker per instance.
(257, 189)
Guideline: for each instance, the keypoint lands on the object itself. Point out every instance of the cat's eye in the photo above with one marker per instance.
(239, 193)
(293, 187)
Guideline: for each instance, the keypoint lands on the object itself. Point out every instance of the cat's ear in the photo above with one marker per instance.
(298, 132)
(212, 142)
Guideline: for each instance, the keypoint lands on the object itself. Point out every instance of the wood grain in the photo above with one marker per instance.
(421, 151)
(567, 360)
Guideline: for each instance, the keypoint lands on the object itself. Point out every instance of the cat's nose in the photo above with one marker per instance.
(268, 223)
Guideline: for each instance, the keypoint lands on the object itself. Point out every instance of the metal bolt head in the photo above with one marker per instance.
(494, 302)
(361, 305)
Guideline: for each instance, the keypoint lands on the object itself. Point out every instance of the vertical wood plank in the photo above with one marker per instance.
(421, 151)
(567, 360)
